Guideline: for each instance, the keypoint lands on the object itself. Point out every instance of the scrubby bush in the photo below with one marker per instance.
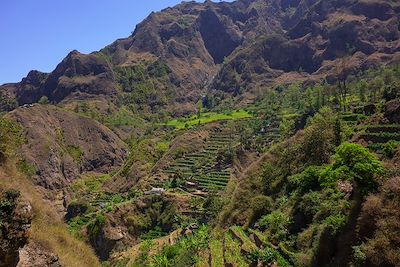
(43, 100)
(95, 227)
(287, 128)
(226, 155)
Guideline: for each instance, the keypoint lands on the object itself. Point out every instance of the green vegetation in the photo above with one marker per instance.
(141, 83)
(185, 251)
(208, 117)
(217, 253)
(200, 167)
(232, 252)
(10, 138)
(75, 152)
(291, 195)
(26, 168)
(90, 183)
(44, 100)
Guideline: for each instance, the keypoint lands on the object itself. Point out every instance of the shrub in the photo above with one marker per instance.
(335, 222)
(276, 223)
(307, 180)
(352, 162)
(76, 153)
(226, 155)
(43, 100)
(96, 226)
(358, 162)
(358, 255)
(389, 148)
(287, 128)
(260, 205)
(26, 168)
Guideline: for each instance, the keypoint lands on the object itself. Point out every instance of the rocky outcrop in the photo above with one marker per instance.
(105, 239)
(77, 76)
(61, 145)
(78, 73)
(15, 220)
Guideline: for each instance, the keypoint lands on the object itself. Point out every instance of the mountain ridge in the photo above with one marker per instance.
(203, 43)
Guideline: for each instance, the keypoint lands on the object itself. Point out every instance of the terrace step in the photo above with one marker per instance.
(380, 137)
(387, 128)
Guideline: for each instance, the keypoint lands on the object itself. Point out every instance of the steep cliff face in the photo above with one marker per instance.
(317, 36)
(61, 145)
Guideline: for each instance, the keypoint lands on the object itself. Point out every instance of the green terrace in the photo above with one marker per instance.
(199, 167)
(208, 117)
(352, 118)
(381, 138)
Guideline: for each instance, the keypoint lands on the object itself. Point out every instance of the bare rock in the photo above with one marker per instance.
(35, 255)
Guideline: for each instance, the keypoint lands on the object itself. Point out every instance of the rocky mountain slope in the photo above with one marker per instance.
(212, 43)
(61, 145)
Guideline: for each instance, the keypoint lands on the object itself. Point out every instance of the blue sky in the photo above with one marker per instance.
(38, 34)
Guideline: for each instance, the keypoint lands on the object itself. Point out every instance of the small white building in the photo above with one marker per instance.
(155, 191)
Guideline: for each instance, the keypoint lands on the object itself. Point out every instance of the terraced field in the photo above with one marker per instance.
(378, 135)
(200, 167)
(352, 118)
(236, 246)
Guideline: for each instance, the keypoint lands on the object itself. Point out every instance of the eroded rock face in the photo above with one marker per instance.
(219, 39)
(61, 145)
(15, 220)
(105, 238)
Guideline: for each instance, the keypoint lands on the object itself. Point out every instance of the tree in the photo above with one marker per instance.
(287, 128)
(361, 87)
(319, 137)
(353, 162)
(343, 72)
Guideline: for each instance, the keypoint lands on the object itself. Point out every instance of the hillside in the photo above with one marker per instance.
(244, 133)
